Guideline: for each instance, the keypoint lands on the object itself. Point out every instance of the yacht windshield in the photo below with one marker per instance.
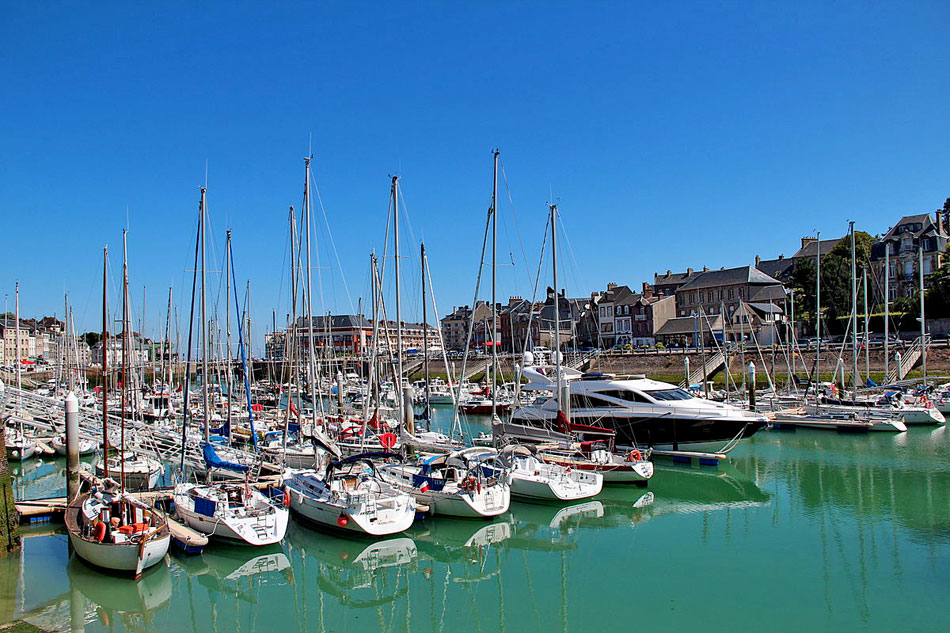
(669, 394)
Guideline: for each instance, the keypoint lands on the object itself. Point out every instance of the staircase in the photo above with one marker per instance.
(909, 358)
(580, 360)
(708, 369)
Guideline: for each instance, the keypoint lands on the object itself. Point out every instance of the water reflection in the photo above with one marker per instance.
(866, 514)
(357, 573)
(903, 477)
(114, 599)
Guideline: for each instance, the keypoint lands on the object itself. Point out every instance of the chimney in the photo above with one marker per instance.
(647, 291)
(611, 286)
(689, 271)
(705, 269)
(938, 222)
(758, 261)
(808, 240)
(668, 272)
(781, 257)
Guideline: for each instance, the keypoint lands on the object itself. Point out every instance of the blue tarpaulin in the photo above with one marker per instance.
(204, 506)
(213, 461)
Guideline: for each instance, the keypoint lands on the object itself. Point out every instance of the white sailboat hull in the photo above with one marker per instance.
(124, 557)
(546, 489)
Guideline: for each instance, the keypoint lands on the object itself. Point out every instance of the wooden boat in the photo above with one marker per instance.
(117, 532)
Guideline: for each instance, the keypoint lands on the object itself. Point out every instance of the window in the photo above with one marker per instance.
(586, 401)
(669, 394)
(624, 394)
(732, 294)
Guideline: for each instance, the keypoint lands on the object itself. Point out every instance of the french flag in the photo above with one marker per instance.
(424, 487)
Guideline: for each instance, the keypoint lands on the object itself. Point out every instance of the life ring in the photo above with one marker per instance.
(286, 497)
(634, 456)
(100, 531)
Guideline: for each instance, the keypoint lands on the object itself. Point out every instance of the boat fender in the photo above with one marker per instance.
(634, 456)
(286, 497)
(342, 520)
(100, 531)
(479, 487)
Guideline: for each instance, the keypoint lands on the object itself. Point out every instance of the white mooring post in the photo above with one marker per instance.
(72, 446)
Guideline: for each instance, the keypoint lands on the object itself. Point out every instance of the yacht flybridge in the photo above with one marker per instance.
(642, 412)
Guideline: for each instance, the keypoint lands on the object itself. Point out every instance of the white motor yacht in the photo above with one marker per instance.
(640, 411)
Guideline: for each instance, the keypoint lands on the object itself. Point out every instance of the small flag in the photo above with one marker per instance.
(424, 487)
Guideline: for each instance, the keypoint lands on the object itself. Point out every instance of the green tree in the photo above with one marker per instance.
(91, 338)
(835, 282)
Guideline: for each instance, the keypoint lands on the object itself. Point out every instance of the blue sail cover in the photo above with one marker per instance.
(224, 430)
(213, 461)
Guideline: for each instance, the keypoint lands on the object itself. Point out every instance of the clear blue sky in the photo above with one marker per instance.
(672, 135)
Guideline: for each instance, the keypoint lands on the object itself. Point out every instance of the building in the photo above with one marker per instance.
(715, 290)
(666, 285)
(692, 331)
(455, 324)
(606, 308)
(902, 247)
(643, 315)
(8, 334)
(136, 351)
(347, 334)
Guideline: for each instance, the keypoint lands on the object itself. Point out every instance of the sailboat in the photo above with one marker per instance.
(350, 495)
(236, 512)
(466, 483)
(428, 440)
(19, 447)
(231, 511)
(109, 528)
(536, 480)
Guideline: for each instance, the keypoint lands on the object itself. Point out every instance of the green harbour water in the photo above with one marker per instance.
(800, 531)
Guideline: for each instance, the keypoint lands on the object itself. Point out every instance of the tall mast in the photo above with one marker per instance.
(16, 318)
(402, 404)
(125, 352)
(867, 338)
(854, 312)
(923, 318)
(817, 314)
(204, 324)
(168, 351)
(887, 302)
(227, 319)
(104, 341)
(312, 368)
(425, 333)
(557, 309)
(494, 283)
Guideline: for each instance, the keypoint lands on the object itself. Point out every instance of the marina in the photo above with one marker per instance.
(860, 512)
(494, 318)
